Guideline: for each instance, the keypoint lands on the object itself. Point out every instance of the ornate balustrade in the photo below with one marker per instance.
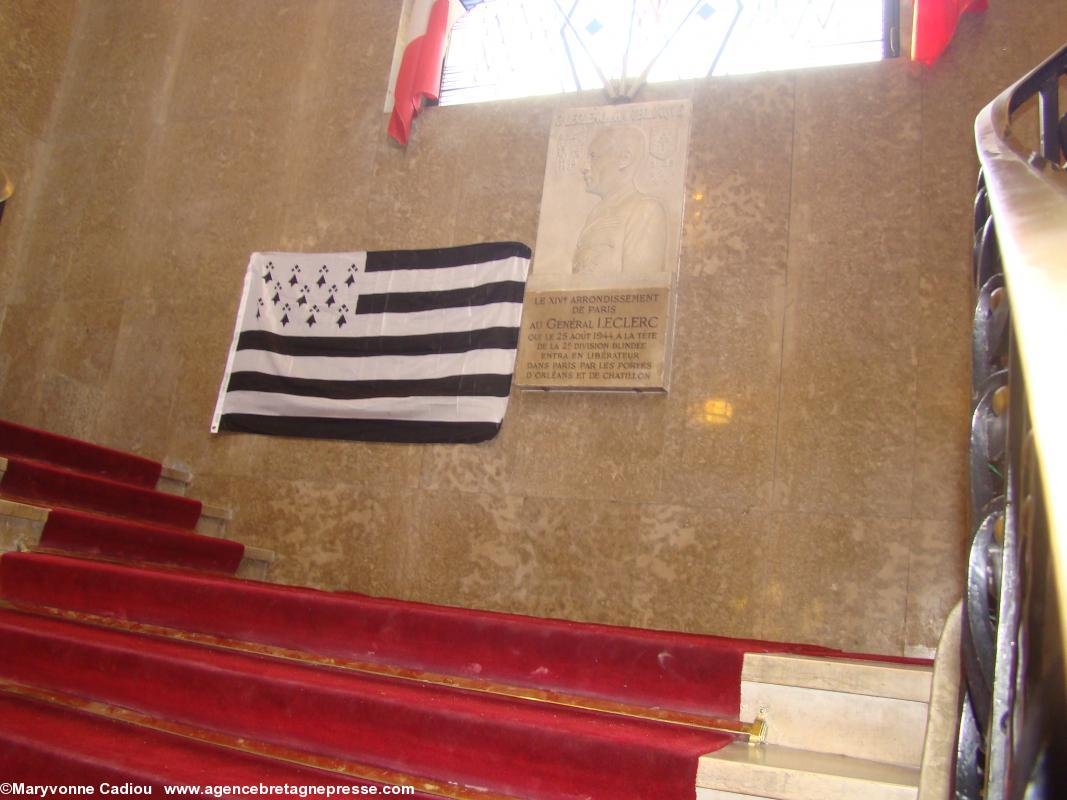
(1013, 729)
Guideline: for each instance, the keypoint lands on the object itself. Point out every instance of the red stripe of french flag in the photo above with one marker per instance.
(419, 76)
(934, 23)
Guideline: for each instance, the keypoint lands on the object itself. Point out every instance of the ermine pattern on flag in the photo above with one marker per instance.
(397, 346)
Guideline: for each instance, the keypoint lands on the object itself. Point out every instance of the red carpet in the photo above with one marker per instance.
(233, 711)
(19, 441)
(92, 534)
(119, 515)
(668, 670)
(510, 747)
(41, 483)
(45, 745)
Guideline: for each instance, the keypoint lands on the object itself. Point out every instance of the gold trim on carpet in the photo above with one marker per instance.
(253, 747)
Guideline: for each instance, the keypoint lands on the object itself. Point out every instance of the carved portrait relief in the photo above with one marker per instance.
(599, 307)
(626, 231)
(613, 195)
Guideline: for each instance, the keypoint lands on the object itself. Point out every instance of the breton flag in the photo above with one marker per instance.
(386, 346)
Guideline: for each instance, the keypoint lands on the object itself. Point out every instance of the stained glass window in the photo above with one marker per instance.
(519, 48)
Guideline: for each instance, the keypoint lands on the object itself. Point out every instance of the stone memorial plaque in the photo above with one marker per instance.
(594, 340)
(599, 307)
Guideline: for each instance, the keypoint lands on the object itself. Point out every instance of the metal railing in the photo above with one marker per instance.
(1013, 729)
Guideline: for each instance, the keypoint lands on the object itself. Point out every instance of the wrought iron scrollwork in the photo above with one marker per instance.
(989, 339)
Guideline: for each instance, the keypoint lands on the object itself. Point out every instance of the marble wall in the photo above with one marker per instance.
(35, 37)
(823, 296)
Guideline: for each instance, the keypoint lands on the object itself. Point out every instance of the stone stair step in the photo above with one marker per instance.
(773, 772)
(438, 732)
(902, 681)
(863, 709)
(22, 524)
(174, 480)
(45, 484)
(26, 443)
(256, 564)
(47, 737)
(213, 521)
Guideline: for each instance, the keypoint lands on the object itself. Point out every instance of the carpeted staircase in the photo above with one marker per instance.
(104, 503)
(131, 654)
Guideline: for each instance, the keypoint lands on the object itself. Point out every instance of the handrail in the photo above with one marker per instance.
(1013, 731)
(1028, 198)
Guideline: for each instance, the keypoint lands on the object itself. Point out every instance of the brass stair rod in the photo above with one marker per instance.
(351, 769)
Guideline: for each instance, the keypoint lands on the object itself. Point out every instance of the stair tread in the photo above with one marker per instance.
(38, 510)
(135, 541)
(217, 512)
(176, 474)
(787, 772)
(21, 441)
(899, 680)
(117, 647)
(675, 671)
(19, 510)
(43, 741)
(41, 483)
(446, 734)
(90, 534)
(260, 554)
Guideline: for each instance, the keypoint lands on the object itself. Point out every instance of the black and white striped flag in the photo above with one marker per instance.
(386, 346)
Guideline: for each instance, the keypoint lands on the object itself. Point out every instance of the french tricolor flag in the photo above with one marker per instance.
(934, 23)
(423, 37)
